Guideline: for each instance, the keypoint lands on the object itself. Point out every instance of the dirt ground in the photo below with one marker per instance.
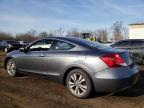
(34, 92)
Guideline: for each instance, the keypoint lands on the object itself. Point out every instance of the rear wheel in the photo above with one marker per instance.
(79, 83)
(11, 67)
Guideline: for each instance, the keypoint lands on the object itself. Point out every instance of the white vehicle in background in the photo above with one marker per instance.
(23, 43)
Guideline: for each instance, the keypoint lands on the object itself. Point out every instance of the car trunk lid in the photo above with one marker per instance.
(122, 53)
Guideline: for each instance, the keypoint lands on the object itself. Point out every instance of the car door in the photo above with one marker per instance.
(34, 59)
(136, 46)
(58, 57)
(137, 50)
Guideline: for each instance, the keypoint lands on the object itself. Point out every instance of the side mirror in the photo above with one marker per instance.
(22, 50)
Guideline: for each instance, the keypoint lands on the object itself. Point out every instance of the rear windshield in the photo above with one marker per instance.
(93, 44)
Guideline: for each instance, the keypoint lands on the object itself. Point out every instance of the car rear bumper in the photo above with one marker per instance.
(112, 80)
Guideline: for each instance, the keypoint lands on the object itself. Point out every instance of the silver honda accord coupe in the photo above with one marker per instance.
(83, 66)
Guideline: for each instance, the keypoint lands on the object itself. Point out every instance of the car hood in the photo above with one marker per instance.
(12, 53)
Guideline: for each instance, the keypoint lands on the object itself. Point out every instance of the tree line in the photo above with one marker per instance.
(116, 32)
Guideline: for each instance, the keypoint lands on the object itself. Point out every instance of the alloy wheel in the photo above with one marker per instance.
(11, 68)
(77, 84)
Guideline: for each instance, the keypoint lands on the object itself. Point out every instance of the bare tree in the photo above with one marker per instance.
(73, 33)
(102, 35)
(43, 35)
(57, 32)
(46, 34)
(31, 32)
(5, 36)
(125, 33)
(25, 37)
(50, 34)
(117, 29)
(60, 32)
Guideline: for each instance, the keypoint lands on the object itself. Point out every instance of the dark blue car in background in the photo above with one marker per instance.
(9, 45)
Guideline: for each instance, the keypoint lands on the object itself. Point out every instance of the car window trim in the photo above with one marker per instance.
(37, 42)
(55, 41)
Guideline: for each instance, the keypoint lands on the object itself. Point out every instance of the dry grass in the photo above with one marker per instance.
(2, 53)
(1, 65)
(33, 92)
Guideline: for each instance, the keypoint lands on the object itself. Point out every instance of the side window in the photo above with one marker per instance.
(122, 44)
(60, 45)
(125, 44)
(137, 43)
(118, 44)
(43, 45)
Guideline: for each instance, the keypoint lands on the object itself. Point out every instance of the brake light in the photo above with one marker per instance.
(113, 60)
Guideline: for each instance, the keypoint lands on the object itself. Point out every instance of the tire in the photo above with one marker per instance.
(79, 83)
(11, 68)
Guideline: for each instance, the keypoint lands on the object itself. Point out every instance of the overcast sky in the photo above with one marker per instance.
(44, 15)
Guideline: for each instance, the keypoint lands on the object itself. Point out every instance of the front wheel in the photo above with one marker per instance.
(79, 83)
(11, 67)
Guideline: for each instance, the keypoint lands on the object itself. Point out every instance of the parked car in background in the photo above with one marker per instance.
(84, 66)
(9, 45)
(134, 46)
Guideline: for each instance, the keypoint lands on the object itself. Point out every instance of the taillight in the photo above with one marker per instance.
(113, 60)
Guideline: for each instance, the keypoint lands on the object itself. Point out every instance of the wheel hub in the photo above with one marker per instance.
(77, 84)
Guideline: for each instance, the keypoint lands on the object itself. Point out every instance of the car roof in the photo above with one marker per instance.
(131, 40)
(128, 40)
(75, 40)
(64, 38)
